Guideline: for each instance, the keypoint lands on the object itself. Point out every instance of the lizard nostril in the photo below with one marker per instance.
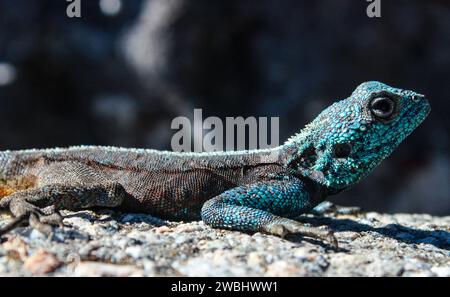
(417, 97)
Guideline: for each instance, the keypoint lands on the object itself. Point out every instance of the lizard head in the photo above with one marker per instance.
(352, 136)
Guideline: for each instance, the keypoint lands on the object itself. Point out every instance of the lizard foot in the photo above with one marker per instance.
(40, 206)
(25, 212)
(283, 227)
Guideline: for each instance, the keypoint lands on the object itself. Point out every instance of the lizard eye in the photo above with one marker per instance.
(342, 150)
(383, 108)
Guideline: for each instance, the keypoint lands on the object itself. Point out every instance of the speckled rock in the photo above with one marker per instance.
(113, 244)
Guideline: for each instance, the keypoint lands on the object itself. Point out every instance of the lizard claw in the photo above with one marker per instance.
(332, 239)
(13, 224)
(36, 223)
(54, 219)
(286, 226)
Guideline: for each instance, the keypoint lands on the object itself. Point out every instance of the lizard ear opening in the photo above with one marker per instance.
(342, 150)
(307, 159)
(310, 156)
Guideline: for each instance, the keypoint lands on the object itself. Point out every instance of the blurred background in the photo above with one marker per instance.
(119, 75)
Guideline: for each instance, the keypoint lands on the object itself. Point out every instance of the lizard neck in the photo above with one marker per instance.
(300, 158)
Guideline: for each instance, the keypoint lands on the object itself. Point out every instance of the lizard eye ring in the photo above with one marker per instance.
(383, 108)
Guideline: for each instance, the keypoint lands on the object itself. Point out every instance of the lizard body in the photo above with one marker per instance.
(257, 190)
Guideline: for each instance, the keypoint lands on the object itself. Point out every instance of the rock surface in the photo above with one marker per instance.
(113, 244)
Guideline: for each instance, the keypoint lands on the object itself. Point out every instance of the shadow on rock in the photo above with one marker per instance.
(437, 238)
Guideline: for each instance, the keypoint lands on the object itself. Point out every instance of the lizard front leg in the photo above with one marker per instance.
(32, 205)
(264, 207)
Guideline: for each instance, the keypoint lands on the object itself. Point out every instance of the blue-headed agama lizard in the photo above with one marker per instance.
(250, 191)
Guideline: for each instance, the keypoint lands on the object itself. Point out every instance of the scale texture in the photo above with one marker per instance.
(251, 191)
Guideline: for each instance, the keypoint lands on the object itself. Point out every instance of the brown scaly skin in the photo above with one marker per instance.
(133, 181)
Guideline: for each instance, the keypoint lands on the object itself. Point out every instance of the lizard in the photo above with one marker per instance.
(259, 190)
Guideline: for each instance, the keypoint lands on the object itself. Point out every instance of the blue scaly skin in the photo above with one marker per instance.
(250, 191)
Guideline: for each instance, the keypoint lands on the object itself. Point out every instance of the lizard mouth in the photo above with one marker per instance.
(412, 117)
(418, 112)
